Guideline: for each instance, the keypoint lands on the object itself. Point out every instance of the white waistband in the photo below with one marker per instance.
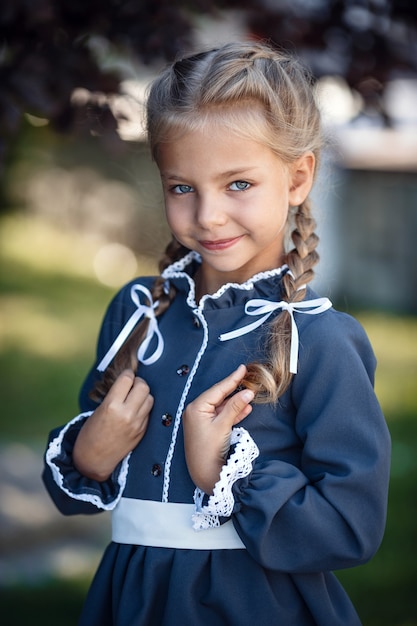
(168, 525)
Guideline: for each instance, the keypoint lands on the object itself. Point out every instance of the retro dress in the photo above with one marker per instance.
(304, 489)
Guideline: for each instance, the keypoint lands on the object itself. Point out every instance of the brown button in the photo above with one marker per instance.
(166, 419)
(183, 370)
(156, 470)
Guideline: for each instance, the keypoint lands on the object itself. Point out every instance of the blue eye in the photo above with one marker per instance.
(181, 189)
(240, 185)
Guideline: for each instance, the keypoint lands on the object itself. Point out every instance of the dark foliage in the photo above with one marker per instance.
(368, 42)
(49, 47)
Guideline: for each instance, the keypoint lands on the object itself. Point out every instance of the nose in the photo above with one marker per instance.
(210, 211)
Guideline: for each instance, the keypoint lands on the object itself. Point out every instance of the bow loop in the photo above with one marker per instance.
(142, 310)
(259, 306)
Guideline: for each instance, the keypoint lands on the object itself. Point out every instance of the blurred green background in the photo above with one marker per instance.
(81, 213)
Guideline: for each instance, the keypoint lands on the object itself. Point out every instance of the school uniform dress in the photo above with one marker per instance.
(304, 489)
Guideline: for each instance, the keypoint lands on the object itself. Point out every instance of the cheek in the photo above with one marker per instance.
(176, 219)
(272, 220)
(170, 213)
(282, 219)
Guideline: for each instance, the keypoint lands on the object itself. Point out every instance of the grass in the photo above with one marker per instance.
(58, 603)
(51, 306)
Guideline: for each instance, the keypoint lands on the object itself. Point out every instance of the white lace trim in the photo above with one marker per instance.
(180, 410)
(221, 503)
(177, 270)
(54, 450)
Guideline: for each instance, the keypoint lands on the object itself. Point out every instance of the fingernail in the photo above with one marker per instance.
(248, 395)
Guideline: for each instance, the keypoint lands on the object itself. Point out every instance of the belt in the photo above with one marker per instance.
(168, 525)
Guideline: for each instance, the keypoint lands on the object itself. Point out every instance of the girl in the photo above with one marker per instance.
(235, 434)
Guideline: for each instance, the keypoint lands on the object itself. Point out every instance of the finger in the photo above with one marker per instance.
(219, 392)
(139, 391)
(237, 407)
(140, 401)
(122, 386)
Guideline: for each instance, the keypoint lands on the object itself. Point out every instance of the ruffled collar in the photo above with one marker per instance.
(264, 284)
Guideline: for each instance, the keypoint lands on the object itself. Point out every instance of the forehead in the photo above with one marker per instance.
(213, 152)
(247, 119)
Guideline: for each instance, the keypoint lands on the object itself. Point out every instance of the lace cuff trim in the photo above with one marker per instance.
(55, 450)
(221, 503)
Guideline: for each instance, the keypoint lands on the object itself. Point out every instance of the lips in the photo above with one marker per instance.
(220, 244)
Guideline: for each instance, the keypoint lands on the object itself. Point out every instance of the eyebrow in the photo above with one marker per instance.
(169, 176)
(237, 172)
(222, 175)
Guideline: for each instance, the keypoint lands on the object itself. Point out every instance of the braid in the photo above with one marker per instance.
(303, 257)
(270, 380)
(126, 357)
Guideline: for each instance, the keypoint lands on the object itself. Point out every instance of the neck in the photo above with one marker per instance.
(208, 283)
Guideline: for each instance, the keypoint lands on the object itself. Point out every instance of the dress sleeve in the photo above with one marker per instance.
(72, 492)
(327, 512)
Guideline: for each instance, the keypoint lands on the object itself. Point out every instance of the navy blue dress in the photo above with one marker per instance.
(309, 494)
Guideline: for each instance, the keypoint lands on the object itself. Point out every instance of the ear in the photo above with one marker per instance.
(301, 178)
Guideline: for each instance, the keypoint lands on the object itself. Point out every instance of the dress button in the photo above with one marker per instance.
(166, 419)
(156, 470)
(183, 370)
(196, 322)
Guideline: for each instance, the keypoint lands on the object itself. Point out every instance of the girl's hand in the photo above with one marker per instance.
(208, 422)
(115, 427)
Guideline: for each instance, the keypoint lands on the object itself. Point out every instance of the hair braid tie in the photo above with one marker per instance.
(142, 310)
(258, 306)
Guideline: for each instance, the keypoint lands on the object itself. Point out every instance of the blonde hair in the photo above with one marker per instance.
(261, 94)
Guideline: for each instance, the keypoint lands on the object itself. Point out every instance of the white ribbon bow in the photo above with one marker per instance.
(142, 310)
(265, 308)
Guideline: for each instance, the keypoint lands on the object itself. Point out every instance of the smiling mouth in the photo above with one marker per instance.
(220, 244)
